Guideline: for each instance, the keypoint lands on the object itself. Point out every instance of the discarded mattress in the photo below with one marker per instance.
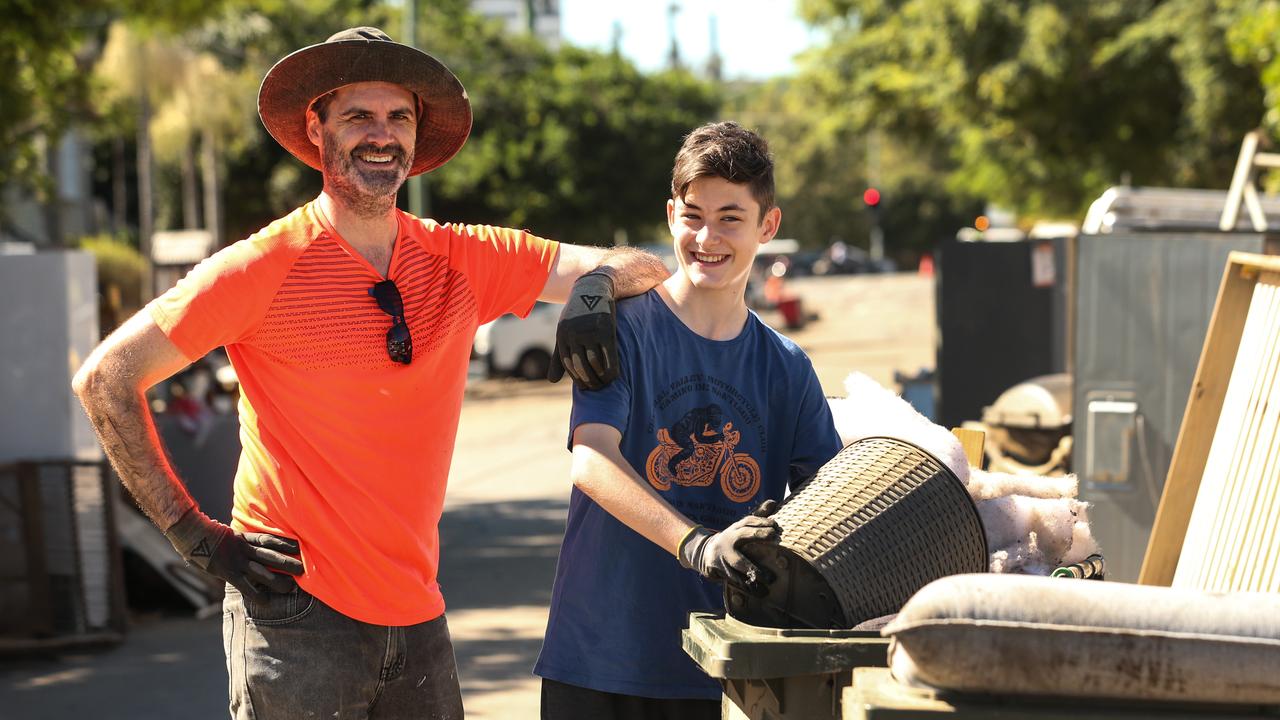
(1026, 635)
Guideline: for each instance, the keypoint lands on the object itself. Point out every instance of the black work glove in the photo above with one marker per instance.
(587, 335)
(246, 560)
(715, 555)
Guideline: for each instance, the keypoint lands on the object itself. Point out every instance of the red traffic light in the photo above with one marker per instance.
(871, 196)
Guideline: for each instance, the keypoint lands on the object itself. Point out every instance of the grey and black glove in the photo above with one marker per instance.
(716, 556)
(587, 335)
(252, 562)
(766, 508)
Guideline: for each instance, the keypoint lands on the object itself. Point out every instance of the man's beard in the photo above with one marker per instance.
(366, 191)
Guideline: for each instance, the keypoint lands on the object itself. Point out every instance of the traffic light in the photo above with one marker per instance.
(871, 197)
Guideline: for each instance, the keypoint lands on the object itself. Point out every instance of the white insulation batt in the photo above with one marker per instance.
(1033, 524)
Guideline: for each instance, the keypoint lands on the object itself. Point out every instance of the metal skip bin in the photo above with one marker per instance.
(879, 521)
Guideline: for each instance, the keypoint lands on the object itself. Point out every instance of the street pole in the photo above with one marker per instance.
(146, 224)
(876, 248)
(418, 190)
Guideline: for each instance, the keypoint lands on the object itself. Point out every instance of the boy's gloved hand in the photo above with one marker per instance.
(715, 555)
(587, 335)
(246, 560)
(766, 508)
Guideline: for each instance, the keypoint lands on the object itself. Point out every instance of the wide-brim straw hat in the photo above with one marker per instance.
(365, 54)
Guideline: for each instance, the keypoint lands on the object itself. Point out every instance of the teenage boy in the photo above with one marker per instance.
(712, 414)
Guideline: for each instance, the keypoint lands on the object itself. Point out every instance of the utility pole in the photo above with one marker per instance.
(715, 65)
(145, 219)
(419, 192)
(616, 42)
(876, 248)
(673, 57)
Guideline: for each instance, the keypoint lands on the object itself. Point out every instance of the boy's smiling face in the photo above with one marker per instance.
(717, 231)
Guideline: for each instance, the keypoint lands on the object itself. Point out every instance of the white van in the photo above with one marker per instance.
(519, 347)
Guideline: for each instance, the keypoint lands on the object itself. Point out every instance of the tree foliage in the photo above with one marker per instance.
(823, 161)
(819, 162)
(1254, 38)
(570, 143)
(47, 49)
(1041, 104)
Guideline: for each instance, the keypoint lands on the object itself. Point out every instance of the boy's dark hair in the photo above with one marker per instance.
(725, 150)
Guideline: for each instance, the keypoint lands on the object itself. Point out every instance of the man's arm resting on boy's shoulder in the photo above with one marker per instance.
(587, 280)
(632, 271)
(112, 386)
(600, 471)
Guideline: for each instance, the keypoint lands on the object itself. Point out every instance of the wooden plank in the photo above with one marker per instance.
(1252, 264)
(1200, 418)
(972, 441)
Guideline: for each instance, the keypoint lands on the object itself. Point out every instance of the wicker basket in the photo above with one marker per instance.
(878, 522)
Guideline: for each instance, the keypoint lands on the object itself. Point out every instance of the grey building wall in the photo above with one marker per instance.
(69, 215)
(48, 326)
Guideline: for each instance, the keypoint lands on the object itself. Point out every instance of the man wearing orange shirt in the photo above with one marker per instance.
(349, 324)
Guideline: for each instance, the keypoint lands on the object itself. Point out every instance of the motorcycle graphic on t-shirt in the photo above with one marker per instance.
(699, 450)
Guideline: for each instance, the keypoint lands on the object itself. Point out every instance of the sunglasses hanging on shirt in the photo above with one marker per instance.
(399, 342)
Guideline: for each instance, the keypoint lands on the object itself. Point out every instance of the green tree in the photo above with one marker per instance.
(46, 51)
(196, 105)
(121, 275)
(1041, 104)
(824, 161)
(214, 106)
(571, 143)
(1254, 38)
(819, 161)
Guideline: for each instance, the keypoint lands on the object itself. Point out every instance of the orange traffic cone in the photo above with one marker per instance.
(926, 265)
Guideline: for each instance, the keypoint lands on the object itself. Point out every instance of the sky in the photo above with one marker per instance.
(757, 38)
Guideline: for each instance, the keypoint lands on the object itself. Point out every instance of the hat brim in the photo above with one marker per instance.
(293, 83)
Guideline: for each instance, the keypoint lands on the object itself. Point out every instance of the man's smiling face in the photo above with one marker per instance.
(366, 142)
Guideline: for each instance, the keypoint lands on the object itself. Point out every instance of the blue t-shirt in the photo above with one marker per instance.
(717, 427)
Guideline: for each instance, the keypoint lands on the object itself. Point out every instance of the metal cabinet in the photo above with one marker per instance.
(1142, 307)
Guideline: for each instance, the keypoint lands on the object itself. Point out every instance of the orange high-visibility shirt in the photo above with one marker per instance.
(344, 449)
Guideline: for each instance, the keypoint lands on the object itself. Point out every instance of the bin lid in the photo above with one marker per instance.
(727, 648)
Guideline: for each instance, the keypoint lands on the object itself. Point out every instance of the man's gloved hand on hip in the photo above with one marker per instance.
(246, 560)
(715, 555)
(586, 337)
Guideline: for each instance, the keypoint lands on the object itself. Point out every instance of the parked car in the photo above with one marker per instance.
(511, 346)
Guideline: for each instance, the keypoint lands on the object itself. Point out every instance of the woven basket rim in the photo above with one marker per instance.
(972, 504)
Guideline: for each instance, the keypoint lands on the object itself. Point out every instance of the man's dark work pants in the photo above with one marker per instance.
(292, 656)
